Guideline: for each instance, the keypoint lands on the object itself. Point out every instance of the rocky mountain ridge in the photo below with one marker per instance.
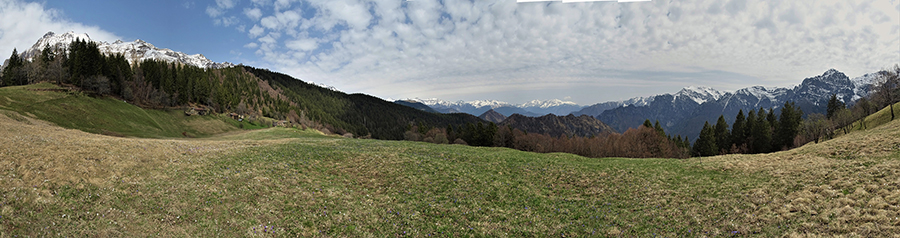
(135, 51)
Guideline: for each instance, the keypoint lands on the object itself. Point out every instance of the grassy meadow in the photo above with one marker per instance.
(279, 182)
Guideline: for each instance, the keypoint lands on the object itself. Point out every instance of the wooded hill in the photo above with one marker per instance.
(244, 90)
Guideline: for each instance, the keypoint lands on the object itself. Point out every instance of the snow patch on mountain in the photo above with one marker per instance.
(700, 94)
(134, 52)
(862, 85)
(547, 103)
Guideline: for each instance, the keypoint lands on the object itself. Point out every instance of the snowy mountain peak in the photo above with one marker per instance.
(136, 51)
(488, 103)
(700, 94)
(547, 103)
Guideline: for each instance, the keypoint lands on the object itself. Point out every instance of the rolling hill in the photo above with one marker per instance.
(289, 182)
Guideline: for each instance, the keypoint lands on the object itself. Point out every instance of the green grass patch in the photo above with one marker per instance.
(107, 116)
(328, 186)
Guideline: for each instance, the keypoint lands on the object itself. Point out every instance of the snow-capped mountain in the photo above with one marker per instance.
(699, 94)
(135, 51)
(685, 112)
(478, 107)
(862, 85)
(692, 95)
(547, 103)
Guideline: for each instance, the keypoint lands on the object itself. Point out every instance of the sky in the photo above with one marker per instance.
(587, 52)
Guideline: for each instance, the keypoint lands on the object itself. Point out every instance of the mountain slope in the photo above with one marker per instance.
(359, 114)
(492, 116)
(416, 105)
(571, 125)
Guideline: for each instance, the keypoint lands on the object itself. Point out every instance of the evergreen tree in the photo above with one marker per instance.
(788, 126)
(723, 136)
(648, 124)
(659, 128)
(833, 106)
(748, 130)
(761, 132)
(13, 73)
(738, 129)
(47, 55)
(706, 143)
(773, 121)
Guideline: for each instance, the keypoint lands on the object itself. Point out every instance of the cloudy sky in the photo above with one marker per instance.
(497, 49)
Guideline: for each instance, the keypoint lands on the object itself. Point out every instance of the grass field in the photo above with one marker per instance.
(281, 182)
(106, 116)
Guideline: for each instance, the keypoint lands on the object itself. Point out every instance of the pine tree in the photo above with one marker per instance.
(761, 133)
(12, 73)
(706, 143)
(833, 106)
(659, 128)
(738, 129)
(47, 55)
(723, 136)
(648, 124)
(788, 126)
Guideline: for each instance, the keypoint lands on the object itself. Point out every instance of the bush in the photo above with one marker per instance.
(98, 84)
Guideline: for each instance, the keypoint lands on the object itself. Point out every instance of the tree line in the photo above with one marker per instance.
(149, 83)
(646, 141)
(763, 131)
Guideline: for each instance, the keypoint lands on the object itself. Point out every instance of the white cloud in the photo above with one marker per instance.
(225, 4)
(213, 11)
(23, 23)
(220, 8)
(432, 48)
(302, 44)
(253, 13)
(256, 31)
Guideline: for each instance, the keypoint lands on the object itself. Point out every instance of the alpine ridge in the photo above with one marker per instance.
(135, 51)
(686, 117)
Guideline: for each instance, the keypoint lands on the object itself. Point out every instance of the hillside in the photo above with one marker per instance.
(583, 126)
(359, 114)
(106, 115)
(416, 105)
(492, 116)
(287, 182)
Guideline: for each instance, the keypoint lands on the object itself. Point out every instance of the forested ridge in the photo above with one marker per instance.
(243, 90)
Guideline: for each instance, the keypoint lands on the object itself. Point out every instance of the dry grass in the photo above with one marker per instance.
(849, 186)
(55, 180)
(36, 152)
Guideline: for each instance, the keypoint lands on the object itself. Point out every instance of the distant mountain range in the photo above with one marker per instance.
(684, 112)
(478, 107)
